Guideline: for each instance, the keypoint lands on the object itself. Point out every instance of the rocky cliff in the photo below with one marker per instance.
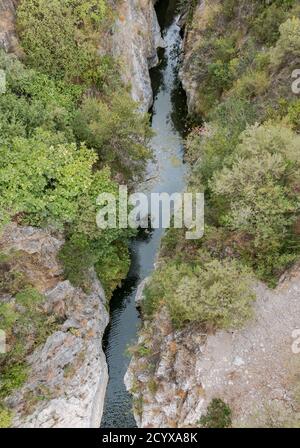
(8, 38)
(136, 38)
(255, 370)
(67, 375)
(188, 73)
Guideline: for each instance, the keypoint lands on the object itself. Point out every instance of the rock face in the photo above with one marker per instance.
(136, 38)
(189, 72)
(70, 369)
(254, 370)
(8, 38)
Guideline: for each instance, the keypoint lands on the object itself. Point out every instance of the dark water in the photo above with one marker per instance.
(168, 120)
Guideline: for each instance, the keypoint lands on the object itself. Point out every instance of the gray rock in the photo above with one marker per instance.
(136, 38)
(69, 371)
(140, 292)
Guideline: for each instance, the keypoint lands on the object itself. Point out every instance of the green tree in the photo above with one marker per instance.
(217, 293)
(47, 182)
(117, 131)
(261, 190)
(61, 38)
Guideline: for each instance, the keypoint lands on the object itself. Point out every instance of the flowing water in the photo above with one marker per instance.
(168, 122)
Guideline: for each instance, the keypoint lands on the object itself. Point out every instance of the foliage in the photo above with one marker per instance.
(266, 25)
(251, 85)
(5, 417)
(49, 183)
(217, 293)
(288, 45)
(293, 115)
(113, 268)
(218, 415)
(261, 188)
(33, 100)
(117, 131)
(109, 255)
(110, 258)
(73, 54)
(27, 326)
(12, 378)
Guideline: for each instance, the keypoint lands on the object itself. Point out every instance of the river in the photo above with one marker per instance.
(168, 123)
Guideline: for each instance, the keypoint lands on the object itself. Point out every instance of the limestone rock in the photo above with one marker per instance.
(8, 37)
(68, 375)
(136, 38)
(254, 370)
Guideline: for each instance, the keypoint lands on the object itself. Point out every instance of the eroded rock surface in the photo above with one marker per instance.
(68, 375)
(136, 38)
(8, 38)
(254, 370)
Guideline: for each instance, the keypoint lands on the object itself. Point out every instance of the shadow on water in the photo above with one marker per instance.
(168, 122)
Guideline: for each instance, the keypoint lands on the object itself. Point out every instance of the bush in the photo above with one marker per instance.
(48, 184)
(266, 25)
(218, 415)
(117, 131)
(109, 255)
(5, 417)
(217, 293)
(27, 326)
(288, 44)
(12, 378)
(293, 115)
(251, 85)
(61, 38)
(33, 100)
(262, 192)
(215, 143)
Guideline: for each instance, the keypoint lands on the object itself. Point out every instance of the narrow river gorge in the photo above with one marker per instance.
(168, 123)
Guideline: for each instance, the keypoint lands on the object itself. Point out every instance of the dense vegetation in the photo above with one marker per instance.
(49, 176)
(245, 157)
(69, 131)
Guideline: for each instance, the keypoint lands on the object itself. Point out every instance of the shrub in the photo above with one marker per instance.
(61, 38)
(288, 44)
(12, 378)
(33, 100)
(261, 190)
(47, 183)
(5, 417)
(218, 415)
(117, 131)
(27, 326)
(266, 25)
(108, 253)
(293, 115)
(252, 84)
(217, 293)
(214, 145)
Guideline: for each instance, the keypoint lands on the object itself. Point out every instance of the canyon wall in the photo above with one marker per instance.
(68, 374)
(8, 37)
(135, 41)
